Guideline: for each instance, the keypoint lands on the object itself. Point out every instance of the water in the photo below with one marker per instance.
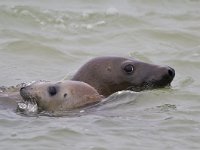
(50, 40)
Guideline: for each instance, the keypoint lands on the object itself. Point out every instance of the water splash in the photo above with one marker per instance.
(27, 107)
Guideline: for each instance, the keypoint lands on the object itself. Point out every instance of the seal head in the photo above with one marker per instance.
(60, 96)
(111, 74)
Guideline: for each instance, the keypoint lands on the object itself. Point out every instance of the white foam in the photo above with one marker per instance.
(28, 107)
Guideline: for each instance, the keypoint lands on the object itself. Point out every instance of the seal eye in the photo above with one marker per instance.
(129, 68)
(52, 90)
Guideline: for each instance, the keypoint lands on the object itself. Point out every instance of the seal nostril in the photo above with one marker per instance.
(22, 88)
(171, 72)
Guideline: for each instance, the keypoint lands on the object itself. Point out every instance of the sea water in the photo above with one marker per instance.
(50, 40)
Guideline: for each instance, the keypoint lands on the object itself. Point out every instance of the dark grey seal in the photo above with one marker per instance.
(111, 74)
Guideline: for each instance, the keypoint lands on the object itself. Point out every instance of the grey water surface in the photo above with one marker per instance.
(50, 40)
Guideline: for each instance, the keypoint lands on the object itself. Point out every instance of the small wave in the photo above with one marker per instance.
(34, 48)
(116, 100)
(15, 88)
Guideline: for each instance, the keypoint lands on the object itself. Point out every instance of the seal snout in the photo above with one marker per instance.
(25, 93)
(167, 76)
(22, 89)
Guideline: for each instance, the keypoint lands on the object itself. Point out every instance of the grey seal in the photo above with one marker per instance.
(60, 96)
(111, 74)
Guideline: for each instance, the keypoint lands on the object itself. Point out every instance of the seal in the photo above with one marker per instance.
(60, 96)
(111, 74)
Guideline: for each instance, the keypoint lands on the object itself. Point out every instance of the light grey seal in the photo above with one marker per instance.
(60, 96)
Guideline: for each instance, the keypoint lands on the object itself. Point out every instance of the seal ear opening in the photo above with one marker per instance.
(65, 95)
